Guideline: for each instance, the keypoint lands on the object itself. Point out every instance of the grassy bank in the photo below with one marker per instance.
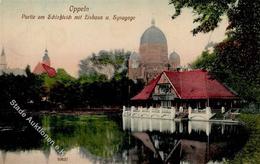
(251, 151)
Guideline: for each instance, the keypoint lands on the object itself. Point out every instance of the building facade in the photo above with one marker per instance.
(153, 56)
(195, 89)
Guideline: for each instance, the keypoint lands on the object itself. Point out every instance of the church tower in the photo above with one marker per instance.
(3, 63)
(38, 69)
(45, 58)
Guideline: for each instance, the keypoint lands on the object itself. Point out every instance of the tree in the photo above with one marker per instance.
(237, 60)
(208, 12)
(26, 90)
(108, 63)
(205, 61)
(91, 78)
(62, 76)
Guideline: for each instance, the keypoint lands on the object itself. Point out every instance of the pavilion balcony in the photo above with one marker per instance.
(167, 113)
(163, 97)
(151, 112)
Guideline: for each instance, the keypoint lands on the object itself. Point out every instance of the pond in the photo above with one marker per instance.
(113, 139)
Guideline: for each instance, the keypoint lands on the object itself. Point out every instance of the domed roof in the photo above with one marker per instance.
(174, 56)
(134, 56)
(153, 35)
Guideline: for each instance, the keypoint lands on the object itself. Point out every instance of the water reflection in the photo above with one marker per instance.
(112, 139)
(190, 141)
(163, 125)
(95, 138)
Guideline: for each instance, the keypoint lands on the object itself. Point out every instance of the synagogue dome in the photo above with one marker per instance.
(153, 35)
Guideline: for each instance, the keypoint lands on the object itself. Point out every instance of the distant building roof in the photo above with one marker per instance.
(174, 56)
(195, 84)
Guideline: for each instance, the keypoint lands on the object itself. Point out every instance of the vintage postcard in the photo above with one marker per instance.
(133, 81)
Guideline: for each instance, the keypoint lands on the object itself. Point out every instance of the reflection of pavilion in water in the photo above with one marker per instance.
(146, 124)
(167, 141)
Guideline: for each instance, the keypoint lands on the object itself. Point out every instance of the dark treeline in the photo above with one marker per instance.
(26, 90)
(102, 83)
(112, 93)
(39, 92)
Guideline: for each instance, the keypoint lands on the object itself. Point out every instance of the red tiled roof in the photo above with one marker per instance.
(148, 89)
(39, 69)
(196, 84)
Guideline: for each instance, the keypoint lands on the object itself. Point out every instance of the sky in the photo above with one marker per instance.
(69, 41)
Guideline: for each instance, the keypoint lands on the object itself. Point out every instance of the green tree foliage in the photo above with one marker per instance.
(63, 89)
(238, 57)
(91, 78)
(62, 77)
(93, 88)
(204, 61)
(237, 60)
(90, 90)
(65, 92)
(69, 95)
(108, 63)
(251, 151)
(113, 93)
(208, 12)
